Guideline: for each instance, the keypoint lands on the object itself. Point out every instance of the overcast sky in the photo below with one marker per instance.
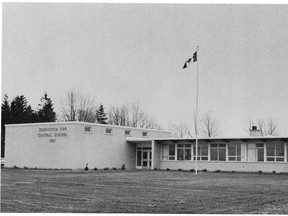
(123, 53)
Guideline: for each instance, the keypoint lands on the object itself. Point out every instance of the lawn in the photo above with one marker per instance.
(118, 191)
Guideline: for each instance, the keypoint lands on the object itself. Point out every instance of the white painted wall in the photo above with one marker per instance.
(25, 147)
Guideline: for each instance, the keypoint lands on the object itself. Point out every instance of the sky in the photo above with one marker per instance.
(127, 53)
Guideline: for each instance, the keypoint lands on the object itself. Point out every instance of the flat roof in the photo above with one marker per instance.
(207, 139)
(82, 123)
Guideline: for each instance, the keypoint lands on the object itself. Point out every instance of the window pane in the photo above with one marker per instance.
(213, 154)
(280, 149)
(171, 149)
(279, 159)
(231, 158)
(172, 158)
(138, 158)
(270, 158)
(204, 158)
(238, 158)
(214, 145)
(204, 150)
(145, 155)
(187, 145)
(222, 145)
(260, 154)
(270, 149)
(238, 149)
(180, 154)
(187, 154)
(180, 145)
(260, 145)
(232, 150)
(222, 154)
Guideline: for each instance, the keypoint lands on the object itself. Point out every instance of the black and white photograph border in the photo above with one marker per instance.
(144, 107)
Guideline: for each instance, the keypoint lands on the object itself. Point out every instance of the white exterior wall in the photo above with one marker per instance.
(25, 147)
(248, 161)
(226, 166)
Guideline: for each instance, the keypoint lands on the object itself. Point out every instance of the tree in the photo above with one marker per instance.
(5, 119)
(101, 115)
(69, 108)
(86, 111)
(180, 130)
(132, 116)
(267, 127)
(21, 112)
(45, 112)
(209, 125)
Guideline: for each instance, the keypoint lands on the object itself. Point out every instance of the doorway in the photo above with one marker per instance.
(144, 158)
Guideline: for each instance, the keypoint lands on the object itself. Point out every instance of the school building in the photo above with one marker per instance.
(72, 145)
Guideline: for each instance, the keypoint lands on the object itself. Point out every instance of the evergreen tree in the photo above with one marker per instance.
(101, 115)
(45, 112)
(21, 112)
(5, 119)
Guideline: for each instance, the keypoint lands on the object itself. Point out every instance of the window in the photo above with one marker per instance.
(218, 152)
(202, 151)
(183, 151)
(234, 152)
(87, 129)
(144, 133)
(127, 133)
(168, 151)
(260, 151)
(108, 130)
(275, 152)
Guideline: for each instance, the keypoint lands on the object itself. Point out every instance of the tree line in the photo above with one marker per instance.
(76, 107)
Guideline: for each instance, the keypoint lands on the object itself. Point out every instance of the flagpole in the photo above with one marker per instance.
(196, 164)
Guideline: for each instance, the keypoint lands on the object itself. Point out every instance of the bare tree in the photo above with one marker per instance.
(180, 130)
(209, 125)
(132, 116)
(87, 110)
(69, 108)
(267, 127)
(76, 107)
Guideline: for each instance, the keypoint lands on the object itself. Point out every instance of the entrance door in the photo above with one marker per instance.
(146, 159)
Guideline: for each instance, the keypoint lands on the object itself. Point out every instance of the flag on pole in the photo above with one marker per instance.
(189, 60)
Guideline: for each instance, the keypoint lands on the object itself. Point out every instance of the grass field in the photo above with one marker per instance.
(117, 191)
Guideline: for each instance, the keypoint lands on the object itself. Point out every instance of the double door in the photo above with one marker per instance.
(144, 158)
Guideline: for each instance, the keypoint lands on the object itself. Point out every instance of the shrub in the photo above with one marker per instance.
(106, 168)
(15, 167)
(167, 169)
(95, 168)
(123, 167)
(260, 171)
(155, 168)
(204, 170)
(114, 168)
(179, 169)
(217, 171)
(25, 167)
(86, 168)
(274, 172)
(192, 170)
(35, 168)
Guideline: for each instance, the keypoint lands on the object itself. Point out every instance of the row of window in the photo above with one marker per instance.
(218, 152)
(108, 131)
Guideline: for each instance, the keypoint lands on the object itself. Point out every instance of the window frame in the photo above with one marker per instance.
(200, 155)
(184, 147)
(236, 156)
(90, 129)
(218, 147)
(108, 133)
(275, 156)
